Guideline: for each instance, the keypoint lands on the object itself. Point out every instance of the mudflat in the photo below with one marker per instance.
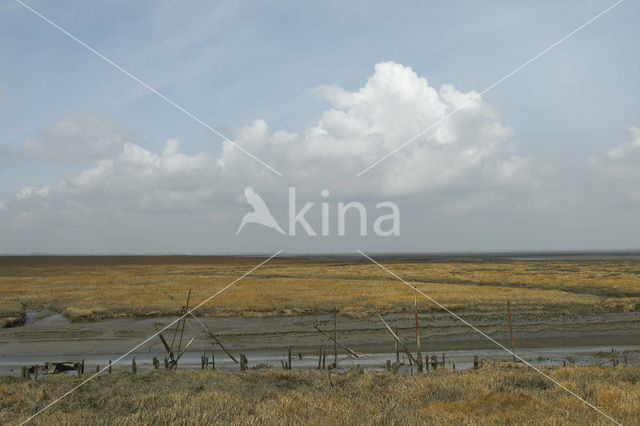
(93, 306)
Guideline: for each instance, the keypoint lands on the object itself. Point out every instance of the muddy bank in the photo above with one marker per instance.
(47, 336)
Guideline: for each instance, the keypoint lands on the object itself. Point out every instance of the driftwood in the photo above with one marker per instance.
(348, 349)
(53, 367)
(59, 367)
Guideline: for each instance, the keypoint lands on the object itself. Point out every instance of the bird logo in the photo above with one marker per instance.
(260, 213)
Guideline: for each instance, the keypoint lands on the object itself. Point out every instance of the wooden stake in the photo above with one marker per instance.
(173, 362)
(513, 348)
(109, 366)
(395, 336)
(418, 352)
(289, 358)
(243, 362)
(204, 327)
(395, 343)
(335, 337)
(416, 315)
(134, 367)
(184, 320)
(324, 357)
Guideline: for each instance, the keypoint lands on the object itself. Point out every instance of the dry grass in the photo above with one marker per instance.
(107, 287)
(492, 395)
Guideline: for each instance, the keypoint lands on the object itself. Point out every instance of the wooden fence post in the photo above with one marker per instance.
(289, 358)
(335, 337)
(109, 366)
(418, 349)
(513, 348)
(134, 367)
(324, 357)
(243, 362)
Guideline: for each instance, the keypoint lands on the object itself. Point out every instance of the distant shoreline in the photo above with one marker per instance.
(415, 256)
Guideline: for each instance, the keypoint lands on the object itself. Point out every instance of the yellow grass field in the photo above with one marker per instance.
(117, 286)
(495, 394)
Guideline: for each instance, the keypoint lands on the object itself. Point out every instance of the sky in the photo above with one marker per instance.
(93, 162)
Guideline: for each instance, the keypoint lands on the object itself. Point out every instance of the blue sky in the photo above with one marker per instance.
(231, 63)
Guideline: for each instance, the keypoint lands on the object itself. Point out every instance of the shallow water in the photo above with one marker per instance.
(459, 359)
(542, 338)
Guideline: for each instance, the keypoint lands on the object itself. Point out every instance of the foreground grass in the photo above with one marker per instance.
(491, 395)
(93, 287)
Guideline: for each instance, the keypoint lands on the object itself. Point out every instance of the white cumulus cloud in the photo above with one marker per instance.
(468, 166)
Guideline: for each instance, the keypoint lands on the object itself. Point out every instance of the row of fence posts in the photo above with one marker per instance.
(287, 364)
(422, 364)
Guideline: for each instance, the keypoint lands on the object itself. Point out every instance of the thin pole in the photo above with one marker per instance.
(418, 351)
(335, 337)
(395, 336)
(213, 336)
(415, 304)
(184, 320)
(345, 347)
(395, 342)
(513, 349)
